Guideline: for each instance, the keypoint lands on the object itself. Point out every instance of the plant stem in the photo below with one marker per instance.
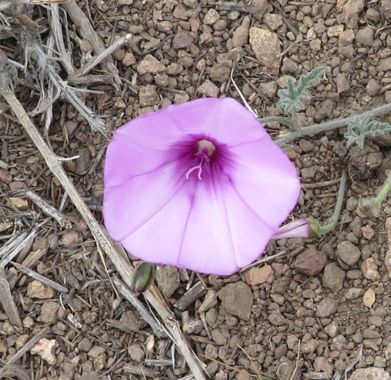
(278, 119)
(295, 119)
(384, 190)
(323, 230)
(370, 207)
(329, 125)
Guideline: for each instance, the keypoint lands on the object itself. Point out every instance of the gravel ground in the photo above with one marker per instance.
(321, 309)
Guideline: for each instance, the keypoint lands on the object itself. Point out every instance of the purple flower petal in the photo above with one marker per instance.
(199, 185)
(265, 179)
(220, 119)
(296, 228)
(133, 203)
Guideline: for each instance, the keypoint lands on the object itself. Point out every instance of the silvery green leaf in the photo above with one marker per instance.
(362, 127)
(292, 97)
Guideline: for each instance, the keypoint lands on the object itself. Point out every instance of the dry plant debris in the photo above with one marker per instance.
(72, 72)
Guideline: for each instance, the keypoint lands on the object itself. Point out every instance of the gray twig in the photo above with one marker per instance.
(88, 32)
(49, 210)
(7, 301)
(27, 347)
(195, 292)
(66, 58)
(7, 254)
(267, 259)
(100, 57)
(138, 305)
(41, 58)
(39, 277)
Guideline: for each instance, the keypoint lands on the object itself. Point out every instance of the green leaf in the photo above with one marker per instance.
(362, 127)
(292, 97)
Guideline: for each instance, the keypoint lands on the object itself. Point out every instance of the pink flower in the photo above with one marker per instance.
(199, 185)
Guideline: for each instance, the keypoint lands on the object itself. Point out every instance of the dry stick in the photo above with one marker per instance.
(88, 32)
(91, 79)
(8, 256)
(56, 28)
(100, 57)
(11, 244)
(7, 301)
(264, 260)
(115, 254)
(195, 292)
(28, 262)
(49, 210)
(40, 57)
(298, 363)
(40, 278)
(16, 372)
(139, 306)
(140, 371)
(30, 344)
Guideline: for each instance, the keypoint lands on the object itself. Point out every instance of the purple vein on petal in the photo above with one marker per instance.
(185, 224)
(247, 142)
(161, 207)
(126, 137)
(175, 122)
(248, 206)
(161, 166)
(181, 127)
(229, 231)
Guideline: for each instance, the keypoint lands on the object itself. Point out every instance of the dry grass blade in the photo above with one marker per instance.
(267, 259)
(116, 254)
(18, 244)
(11, 244)
(27, 347)
(101, 56)
(40, 57)
(39, 277)
(193, 294)
(138, 305)
(140, 371)
(298, 362)
(49, 210)
(15, 371)
(88, 32)
(7, 301)
(56, 27)
(30, 259)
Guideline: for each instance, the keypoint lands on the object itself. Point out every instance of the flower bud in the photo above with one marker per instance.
(305, 228)
(143, 276)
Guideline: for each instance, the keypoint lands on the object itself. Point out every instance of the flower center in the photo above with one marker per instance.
(202, 157)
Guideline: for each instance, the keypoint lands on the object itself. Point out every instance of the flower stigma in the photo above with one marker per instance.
(202, 157)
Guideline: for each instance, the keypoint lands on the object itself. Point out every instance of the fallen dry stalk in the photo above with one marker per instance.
(7, 301)
(100, 57)
(116, 254)
(27, 347)
(36, 276)
(87, 31)
(139, 306)
(48, 209)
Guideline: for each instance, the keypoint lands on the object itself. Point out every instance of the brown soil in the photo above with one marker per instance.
(299, 326)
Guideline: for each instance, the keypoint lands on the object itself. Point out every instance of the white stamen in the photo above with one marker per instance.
(196, 167)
